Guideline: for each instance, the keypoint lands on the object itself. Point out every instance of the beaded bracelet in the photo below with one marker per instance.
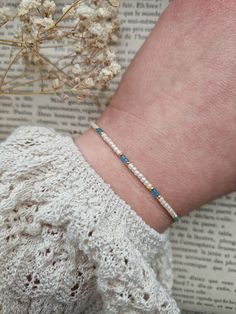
(155, 193)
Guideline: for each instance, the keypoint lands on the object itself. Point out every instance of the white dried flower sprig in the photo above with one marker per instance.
(66, 53)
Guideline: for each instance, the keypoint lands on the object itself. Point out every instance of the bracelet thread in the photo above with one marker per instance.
(125, 160)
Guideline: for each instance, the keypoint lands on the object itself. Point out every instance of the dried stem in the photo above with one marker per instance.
(67, 11)
(87, 61)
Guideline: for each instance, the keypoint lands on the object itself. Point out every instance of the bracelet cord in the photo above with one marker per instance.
(124, 159)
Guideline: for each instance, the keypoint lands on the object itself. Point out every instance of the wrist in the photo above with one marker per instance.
(185, 169)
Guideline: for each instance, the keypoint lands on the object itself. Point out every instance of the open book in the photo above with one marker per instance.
(204, 243)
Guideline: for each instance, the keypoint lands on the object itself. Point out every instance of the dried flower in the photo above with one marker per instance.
(104, 12)
(45, 22)
(77, 69)
(27, 5)
(89, 82)
(111, 56)
(85, 11)
(109, 72)
(67, 53)
(56, 84)
(49, 7)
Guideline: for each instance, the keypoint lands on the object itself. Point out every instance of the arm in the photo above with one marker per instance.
(174, 113)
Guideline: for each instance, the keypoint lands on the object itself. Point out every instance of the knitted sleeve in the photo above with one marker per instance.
(68, 243)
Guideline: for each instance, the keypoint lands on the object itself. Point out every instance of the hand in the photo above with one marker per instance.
(174, 114)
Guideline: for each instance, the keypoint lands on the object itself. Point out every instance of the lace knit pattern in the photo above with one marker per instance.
(68, 242)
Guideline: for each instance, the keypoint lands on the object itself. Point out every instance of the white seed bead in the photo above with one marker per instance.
(172, 213)
(93, 125)
(131, 166)
(167, 207)
(116, 149)
(149, 186)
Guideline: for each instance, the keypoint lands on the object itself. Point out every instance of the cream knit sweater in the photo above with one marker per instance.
(68, 243)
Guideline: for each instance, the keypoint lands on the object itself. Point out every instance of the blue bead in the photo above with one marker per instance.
(155, 193)
(177, 219)
(99, 130)
(124, 159)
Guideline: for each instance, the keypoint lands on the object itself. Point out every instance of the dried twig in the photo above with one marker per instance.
(71, 52)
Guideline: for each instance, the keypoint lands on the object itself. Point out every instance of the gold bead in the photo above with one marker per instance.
(150, 188)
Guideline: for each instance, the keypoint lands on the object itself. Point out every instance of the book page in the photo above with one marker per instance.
(204, 243)
(204, 255)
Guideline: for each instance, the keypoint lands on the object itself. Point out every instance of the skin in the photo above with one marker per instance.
(174, 114)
